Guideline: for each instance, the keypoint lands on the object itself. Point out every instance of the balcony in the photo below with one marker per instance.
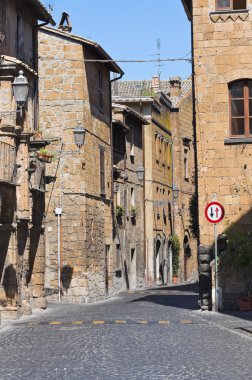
(7, 163)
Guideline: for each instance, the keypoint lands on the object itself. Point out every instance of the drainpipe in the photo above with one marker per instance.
(111, 148)
(144, 213)
(195, 130)
(35, 67)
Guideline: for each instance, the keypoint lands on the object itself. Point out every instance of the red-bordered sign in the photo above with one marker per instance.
(214, 212)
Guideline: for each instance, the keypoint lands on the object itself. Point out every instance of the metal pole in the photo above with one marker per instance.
(59, 264)
(216, 267)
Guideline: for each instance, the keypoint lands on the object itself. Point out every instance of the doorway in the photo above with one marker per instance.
(158, 261)
(133, 271)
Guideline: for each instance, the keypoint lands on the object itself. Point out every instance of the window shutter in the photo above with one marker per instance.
(102, 170)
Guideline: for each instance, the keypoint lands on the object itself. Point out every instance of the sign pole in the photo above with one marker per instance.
(214, 213)
(216, 266)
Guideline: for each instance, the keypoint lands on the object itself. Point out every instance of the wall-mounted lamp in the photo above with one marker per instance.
(175, 191)
(79, 135)
(20, 88)
(140, 173)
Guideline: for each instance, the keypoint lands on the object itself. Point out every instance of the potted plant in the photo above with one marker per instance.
(175, 257)
(119, 211)
(133, 212)
(44, 155)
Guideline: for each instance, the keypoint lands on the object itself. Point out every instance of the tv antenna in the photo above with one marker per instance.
(158, 46)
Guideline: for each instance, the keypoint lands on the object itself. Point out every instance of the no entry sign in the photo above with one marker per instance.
(214, 212)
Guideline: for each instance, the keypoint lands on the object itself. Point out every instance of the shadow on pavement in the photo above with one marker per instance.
(168, 298)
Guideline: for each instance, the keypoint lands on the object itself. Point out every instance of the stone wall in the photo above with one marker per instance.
(68, 96)
(222, 50)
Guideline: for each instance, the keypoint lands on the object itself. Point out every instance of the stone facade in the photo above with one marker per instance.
(157, 181)
(74, 92)
(129, 247)
(222, 56)
(21, 204)
(184, 177)
(167, 106)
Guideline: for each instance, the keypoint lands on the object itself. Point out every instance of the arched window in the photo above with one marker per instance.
(240, 101)
(223, 5)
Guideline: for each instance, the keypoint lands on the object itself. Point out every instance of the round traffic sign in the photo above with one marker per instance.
(214, 212)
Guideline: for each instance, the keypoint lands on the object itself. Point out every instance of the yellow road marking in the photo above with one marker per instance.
(55, 323)
(164, 322)
(120, 321)
(77, 322)
(98, 322)
(186, 321)
(142, 322)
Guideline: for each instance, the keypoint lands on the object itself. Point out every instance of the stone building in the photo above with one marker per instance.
(75, 91)
(221, 37)
(180, 93)
(128, 227)
(152, 100)
(22, 259)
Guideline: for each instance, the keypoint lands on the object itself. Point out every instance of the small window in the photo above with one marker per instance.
(102, 170)
(186, 174)
(240, 103)
(232, 5)
(132, 142)
(157, 141)
(132, 197)
(20, 37)
(100, 91)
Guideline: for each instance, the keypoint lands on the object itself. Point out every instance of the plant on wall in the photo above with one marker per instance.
(175, 244)
(119, 211)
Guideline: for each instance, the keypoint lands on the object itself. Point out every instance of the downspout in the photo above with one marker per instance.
(111, 137)
(35, 67)
(111, 151)
(195, 130)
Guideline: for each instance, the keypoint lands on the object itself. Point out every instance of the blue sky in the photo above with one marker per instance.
(130, 29)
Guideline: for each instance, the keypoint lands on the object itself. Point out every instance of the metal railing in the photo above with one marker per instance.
(7, 163)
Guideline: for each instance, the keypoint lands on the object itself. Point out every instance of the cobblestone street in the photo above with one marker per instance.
(151, 334)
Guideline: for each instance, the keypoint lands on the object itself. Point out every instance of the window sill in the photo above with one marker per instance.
(225, 15)
(238, 140)
(229, 11)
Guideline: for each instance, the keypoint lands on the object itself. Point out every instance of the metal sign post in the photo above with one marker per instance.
(58, 212)
(214, 213)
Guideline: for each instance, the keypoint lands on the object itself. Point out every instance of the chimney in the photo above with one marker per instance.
(155, 84)
(175, 86)
(65, 28)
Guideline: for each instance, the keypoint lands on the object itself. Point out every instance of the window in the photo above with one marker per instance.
(240, 100)
(20, 37)
(132, 197)
(223, 5)
(132, 145)
(157, 146)
(186, 174)
(102, 170)
(100, 91)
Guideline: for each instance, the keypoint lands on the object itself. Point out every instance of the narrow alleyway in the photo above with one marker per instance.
(150, 334)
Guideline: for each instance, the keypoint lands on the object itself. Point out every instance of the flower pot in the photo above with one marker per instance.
(175, 279)
(45, 157)
(245, 304)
